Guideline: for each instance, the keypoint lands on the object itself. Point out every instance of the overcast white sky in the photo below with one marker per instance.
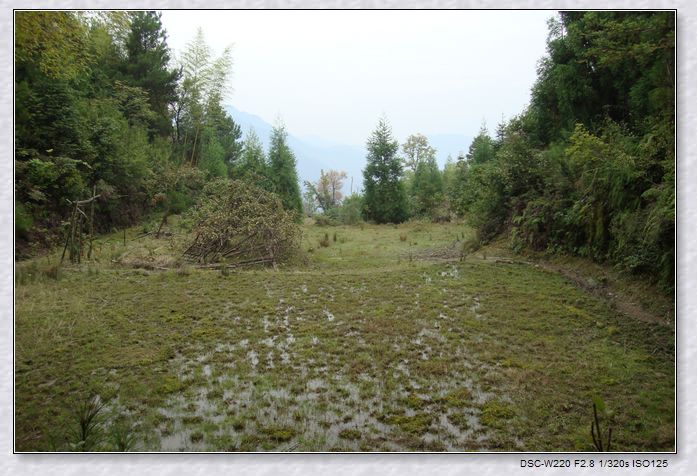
(333, 73)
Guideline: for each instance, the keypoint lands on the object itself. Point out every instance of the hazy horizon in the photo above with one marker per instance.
(331, 74)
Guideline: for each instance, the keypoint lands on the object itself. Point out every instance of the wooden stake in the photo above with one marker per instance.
(94, 193)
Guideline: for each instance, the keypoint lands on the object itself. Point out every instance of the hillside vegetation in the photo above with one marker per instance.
(178, 289)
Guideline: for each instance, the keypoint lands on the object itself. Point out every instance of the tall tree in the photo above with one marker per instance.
(481, 149)
(415, 150)
(201, 92)
(427, 187)
(284, 177)
(385, 199)
(252, 165)
(147, 66)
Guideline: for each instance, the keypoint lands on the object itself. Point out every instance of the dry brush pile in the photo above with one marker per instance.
(238, 224)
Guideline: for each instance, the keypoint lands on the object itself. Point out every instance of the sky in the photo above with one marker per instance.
(333, 74)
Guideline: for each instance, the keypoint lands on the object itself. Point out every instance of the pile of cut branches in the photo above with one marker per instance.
(239, 224)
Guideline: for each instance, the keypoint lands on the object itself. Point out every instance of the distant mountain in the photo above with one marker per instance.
(315, 153)
(250, 121)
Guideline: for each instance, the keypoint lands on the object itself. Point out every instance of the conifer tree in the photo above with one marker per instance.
(385, 199)
(147, 66)
(284, 177)
(252, 165)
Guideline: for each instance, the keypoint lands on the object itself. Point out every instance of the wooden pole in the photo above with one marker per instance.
(94, 193)
(68, 234)
(73, 249)
(79, 238)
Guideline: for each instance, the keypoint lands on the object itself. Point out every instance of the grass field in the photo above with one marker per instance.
(385, 340)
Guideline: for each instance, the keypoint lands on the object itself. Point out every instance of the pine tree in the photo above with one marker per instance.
(385, 199)
(482, 148)
(252, 165)
(146, 66)
(284, 177)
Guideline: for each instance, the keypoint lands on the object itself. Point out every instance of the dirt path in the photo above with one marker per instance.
(604, 288)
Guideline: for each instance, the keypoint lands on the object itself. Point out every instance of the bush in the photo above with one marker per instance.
(325, 220)
(350, 210)
(23, 220)
(241, 224)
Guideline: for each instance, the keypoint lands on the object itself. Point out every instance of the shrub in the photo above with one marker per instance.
(350, 210)
(325, 220)
(241, 224)
(23, 220)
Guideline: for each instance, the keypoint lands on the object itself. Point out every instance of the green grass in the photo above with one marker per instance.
(372, 343)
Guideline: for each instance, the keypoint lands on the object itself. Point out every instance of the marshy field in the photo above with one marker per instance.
(379, 338)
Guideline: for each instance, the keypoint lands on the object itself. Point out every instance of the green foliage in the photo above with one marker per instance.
(350, 210)
(605, 64)
(95, 98)
(426, 188)
(589, 168)
(450, 176)
(55, 42)
(481, 150)
(385, 198)
(89, 427)
(80, 121)
(284, 177)
(252, 164)
(203, 85)
(212, 155)
(23, 219)
(146, 67)
(310, 204)
(416, 150)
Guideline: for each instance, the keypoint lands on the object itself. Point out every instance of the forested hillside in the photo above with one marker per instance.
(587, 169)
(101, 107)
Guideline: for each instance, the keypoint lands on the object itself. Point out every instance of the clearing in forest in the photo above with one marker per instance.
(384, 340)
